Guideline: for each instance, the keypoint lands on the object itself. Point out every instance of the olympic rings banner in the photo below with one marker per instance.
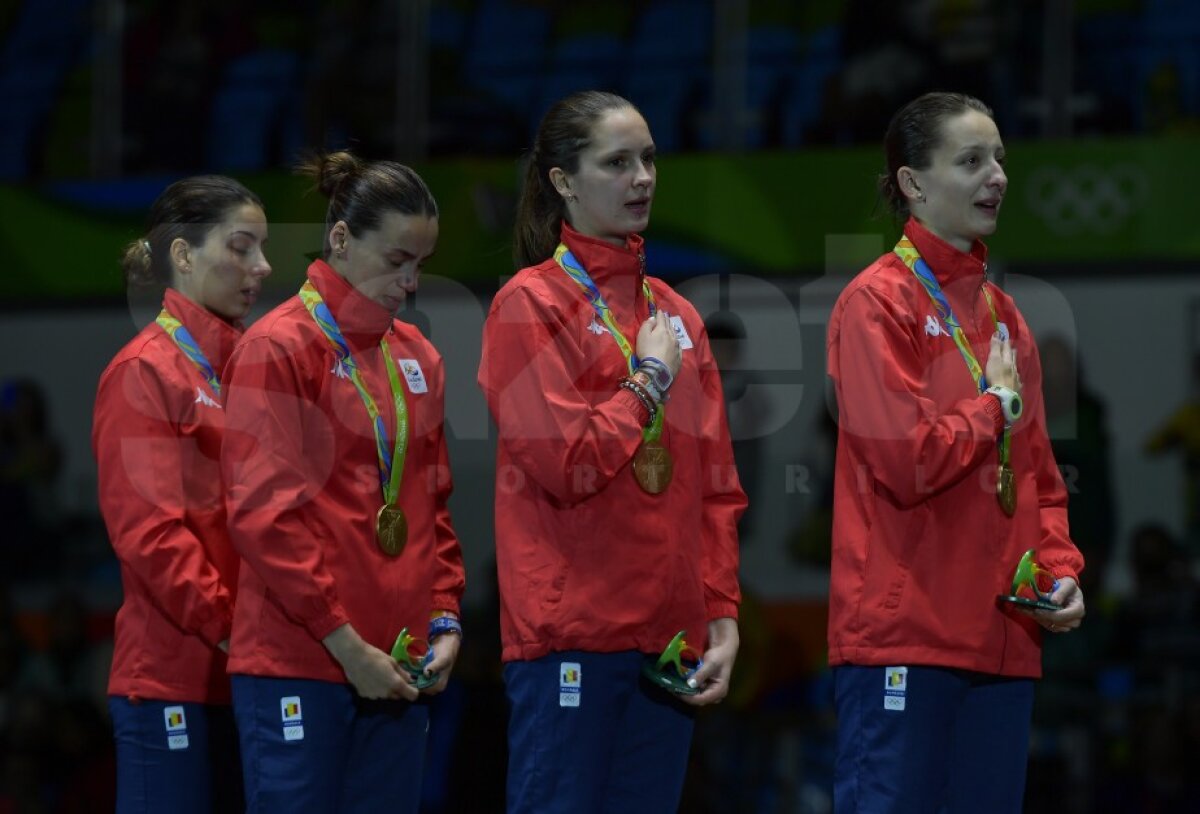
(1090, 205)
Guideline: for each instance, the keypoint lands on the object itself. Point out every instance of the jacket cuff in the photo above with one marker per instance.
(321, 626)
(992, 406)
(634, 405)
(445, 602)
(720, 609)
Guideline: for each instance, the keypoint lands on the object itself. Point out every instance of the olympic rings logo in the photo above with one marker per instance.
(1087, 198)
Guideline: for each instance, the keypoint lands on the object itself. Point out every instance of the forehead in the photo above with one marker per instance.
(968, 129)
(415, 234)
(243, 215)
(621, 128)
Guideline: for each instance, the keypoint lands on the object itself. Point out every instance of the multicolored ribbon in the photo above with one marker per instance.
(908, 254)
(391, 461)
(575, 270)
(187, 344)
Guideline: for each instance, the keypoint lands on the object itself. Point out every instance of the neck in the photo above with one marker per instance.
(963, 244)
(612, 240)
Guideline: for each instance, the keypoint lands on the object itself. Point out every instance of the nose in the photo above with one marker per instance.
(262, 268)
(998, 179)
(643, 178)
(407, 280)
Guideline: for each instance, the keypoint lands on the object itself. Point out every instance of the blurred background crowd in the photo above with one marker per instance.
(769, 115)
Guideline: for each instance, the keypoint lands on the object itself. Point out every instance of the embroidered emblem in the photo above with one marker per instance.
(205, 399)
(570, 684)
(293, 718)
(176, 722)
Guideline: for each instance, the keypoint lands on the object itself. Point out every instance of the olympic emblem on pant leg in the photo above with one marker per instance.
(1087, 199)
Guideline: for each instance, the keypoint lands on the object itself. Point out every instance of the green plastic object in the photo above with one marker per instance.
(1032, 585)
(674, 667)
(408, 652)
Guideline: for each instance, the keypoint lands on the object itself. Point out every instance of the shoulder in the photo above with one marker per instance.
(149, 354)
(285, 323)
(884, 294)
(539, 286)
(886, 277)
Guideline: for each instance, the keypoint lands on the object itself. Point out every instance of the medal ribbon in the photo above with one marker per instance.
(575, 270)
(187, 345)
(391, 461)
(908, 254)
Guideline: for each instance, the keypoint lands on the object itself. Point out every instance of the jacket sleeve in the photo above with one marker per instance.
(449, 575)
(272, 477)
(723, 498)
(568, 446)
(144, 499)
(1055, 549)
(911, 447)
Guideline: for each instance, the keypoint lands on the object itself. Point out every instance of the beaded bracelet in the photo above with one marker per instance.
(643, 395)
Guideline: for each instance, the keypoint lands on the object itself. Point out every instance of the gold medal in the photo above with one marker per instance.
(1006, 490)
(652, 466)
(391, 529)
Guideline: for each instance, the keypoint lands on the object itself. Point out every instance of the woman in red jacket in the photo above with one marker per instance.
(157, 438)
(338, 484)
(944, 478)
(616, 509)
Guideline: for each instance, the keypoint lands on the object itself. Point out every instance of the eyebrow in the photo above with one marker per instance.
(407, 253)
(979, 146)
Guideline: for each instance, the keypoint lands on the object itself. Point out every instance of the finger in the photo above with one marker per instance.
(712, 694)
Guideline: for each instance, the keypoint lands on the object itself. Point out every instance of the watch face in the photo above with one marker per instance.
(1015, 406)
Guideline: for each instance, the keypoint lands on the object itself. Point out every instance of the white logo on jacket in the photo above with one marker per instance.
(413, 375)
(595, 327)
(340, 370)
(934, 327)
(685, 341)
(205, 398)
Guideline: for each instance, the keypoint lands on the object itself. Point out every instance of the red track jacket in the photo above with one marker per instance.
(586, 559)
(156, 435)
(299, 457)
(921, 547)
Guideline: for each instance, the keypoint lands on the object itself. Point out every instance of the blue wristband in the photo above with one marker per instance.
(442, 625)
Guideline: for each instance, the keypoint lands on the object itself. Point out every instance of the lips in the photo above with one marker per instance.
(991, 206)
(639, 207)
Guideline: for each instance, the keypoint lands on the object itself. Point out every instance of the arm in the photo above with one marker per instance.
(721, 492)
(1055, 550)
(450, 579)
(269, 415)
(912, 448)
(554, 434)
(144, 498)
(723, 501)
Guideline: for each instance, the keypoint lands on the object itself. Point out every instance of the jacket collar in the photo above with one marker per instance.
(363, 321)
(215, 336)
(616, 270)
(948, 263)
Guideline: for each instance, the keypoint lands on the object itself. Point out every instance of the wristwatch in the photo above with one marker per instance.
(659, 373)
(1010, 402)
